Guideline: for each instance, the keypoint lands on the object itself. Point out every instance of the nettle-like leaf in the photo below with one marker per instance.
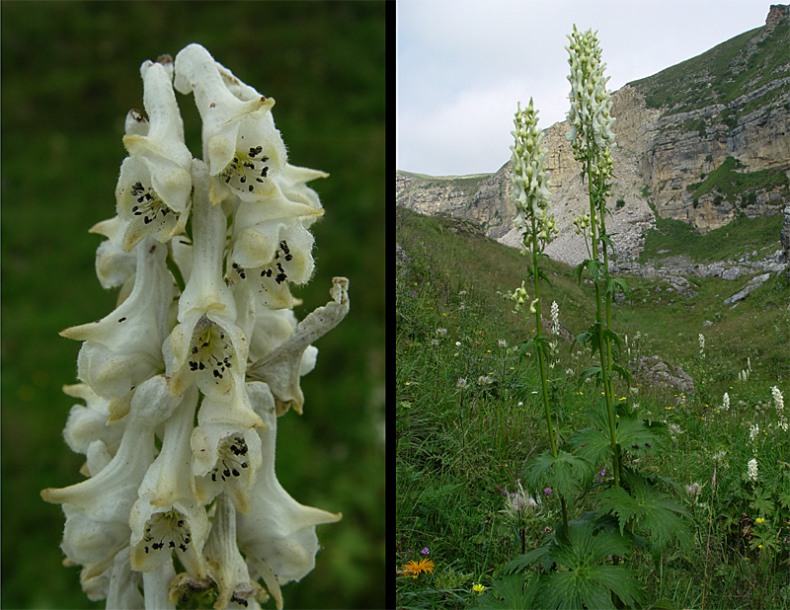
(647, 508)
(565, 473)
(633, 434)
(584, 576)
(511, 592)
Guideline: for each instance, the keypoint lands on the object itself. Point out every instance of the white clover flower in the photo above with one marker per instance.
(751, 469)
(183, 384)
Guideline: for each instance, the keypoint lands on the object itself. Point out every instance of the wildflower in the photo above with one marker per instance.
(528, 167)
(478, 587)
(184, 381)
(441, 332)
(751, 470)
(461, 383)
(725, 404)
(754, 430)
(425, 551)
(415, 568)
(779, 405)
(457, 344)
(759, 520)
(590, 114)
(154, 186)
(555, 318)
(485, 380)
(547, 491)
(520, 296)
(519, 504)
(502, 343)
(693, 490)
(701, 344)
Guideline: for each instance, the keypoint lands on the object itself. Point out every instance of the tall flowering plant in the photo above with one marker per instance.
(184, 381)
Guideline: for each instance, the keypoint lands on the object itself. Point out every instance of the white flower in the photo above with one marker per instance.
(555, 318)
(754, 430)
(278, 536)
(725, 404)
(519, 504)
(154, 186)
(179, 447)
(241, 145)
(751, 470)
(124, 348)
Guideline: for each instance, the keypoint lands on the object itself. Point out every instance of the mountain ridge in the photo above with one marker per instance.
(705, 141)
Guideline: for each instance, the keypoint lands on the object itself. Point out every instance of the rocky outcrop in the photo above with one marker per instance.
(703, 142)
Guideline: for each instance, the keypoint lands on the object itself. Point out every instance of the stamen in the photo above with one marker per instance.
(245, 166)
(210, 350)
(167, 531)
(232, 458)
(149, 205)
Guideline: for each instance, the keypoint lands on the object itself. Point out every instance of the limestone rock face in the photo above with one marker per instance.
(702, 142)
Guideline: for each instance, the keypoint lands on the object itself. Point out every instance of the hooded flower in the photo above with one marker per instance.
(206, 345)
(97, 509)
(241, 145)
(278, 536)
(167, 516)
(179, 446)
(154, 186)
(590, 114)
(124, 348)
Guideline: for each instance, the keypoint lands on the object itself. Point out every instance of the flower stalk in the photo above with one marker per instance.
(530, 187)
(183, 384)
(591, 138)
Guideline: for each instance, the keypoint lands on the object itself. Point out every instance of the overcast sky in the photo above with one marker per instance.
(462, 65)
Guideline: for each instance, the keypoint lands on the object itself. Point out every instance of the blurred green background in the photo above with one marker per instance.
(70, 73)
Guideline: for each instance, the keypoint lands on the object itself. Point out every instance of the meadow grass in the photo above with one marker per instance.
(70, 75)
(459, 444)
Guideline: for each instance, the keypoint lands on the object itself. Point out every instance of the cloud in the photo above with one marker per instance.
(462, 65)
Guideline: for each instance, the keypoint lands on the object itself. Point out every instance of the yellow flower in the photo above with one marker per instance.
(478, 587)
(759, 520)
(415, 568)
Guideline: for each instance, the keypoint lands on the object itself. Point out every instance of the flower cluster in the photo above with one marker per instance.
(529, 175)
(590, 114)
(519, 504)
(779, 404)
(183, 385)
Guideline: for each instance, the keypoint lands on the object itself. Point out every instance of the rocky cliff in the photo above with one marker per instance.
(704, 142)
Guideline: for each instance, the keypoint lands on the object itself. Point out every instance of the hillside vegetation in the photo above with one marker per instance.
(468, 419)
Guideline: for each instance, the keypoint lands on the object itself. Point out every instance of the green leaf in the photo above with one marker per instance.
(593, 371)
(565, 473)
(523, 562)
(616, 284)
(514, 591)
(594, 445)
(625, 375)
(584, 578)
(647, 508)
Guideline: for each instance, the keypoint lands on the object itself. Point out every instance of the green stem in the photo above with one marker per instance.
(542, 359)
(602, 319)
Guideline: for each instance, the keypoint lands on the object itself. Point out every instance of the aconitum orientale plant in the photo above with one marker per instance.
(183, 383)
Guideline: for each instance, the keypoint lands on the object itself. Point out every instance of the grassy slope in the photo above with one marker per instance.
(70, 74)
(456, 447)
(732, 68)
